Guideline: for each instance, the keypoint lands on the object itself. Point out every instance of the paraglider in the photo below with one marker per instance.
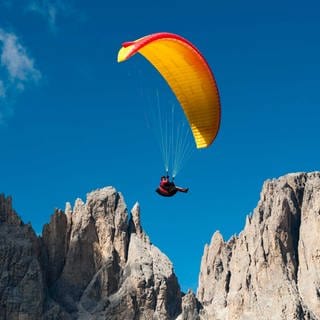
(167, 188)
(188, 75)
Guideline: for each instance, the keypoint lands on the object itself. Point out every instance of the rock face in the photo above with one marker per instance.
(94, 261)
(272, 269)
(22, 289)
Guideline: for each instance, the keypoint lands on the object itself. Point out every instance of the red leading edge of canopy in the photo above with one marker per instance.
(161, 35)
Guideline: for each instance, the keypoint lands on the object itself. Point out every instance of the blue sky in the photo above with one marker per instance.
(73, 120)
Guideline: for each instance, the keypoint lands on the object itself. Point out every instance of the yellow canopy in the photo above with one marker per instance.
(189, 76)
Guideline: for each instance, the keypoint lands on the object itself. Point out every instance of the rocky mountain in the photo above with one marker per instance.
(271, 270)
(94, 261)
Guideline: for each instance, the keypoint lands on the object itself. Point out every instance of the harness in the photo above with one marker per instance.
(166, 193)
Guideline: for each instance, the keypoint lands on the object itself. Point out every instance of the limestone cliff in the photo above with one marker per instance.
(92, 262)
(22, 287)
(272, 269)
(95, 261)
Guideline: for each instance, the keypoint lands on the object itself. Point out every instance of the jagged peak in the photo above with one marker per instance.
(273, 259)
(7, 213)
(135, 218)
(270, 270)
(136, 208)
(68, 208)
(216, 238)
(102, 193)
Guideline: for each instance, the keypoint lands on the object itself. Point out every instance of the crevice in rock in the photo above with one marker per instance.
(218, 269)
(248, 281)
(227, 282)
(296, 223)
(294, 227)
(130, 230)
(116, 201)
(265, 255)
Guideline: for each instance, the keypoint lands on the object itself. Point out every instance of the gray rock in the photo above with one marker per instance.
(309, 246)
(93, 261)
(103, 265)
(55, 241)
(190, 307)
(272, 269)
(22, 289)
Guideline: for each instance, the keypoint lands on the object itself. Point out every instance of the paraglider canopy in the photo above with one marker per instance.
(188, 75)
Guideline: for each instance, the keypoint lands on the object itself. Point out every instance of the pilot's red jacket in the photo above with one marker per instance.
(166, 188)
